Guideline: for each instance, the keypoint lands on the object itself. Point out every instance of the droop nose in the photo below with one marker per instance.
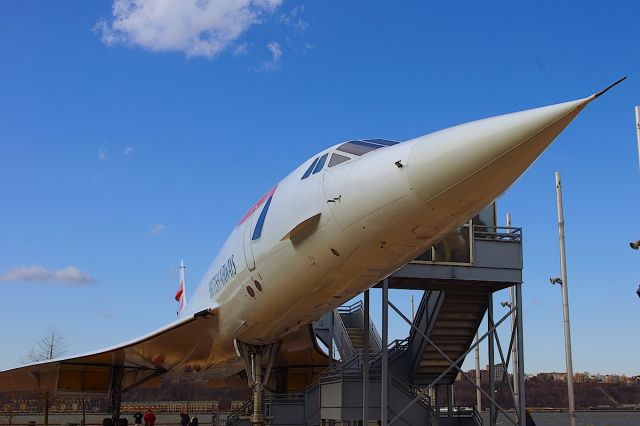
(464, 168)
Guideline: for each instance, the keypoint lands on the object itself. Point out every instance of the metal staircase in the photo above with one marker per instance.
(451, 322)
(455, 299)
(345, 327)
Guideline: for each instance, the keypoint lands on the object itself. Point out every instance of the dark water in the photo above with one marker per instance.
(583, 419)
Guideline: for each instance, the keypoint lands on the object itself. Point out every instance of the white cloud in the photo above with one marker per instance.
(70, 275)
(241, 50)
(293, 19)
(127, 151)
(195, 27)
(158, 228)
(276, 55)
(102, 154)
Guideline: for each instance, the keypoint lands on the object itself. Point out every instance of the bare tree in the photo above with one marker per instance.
(7, 416)
(51, 346)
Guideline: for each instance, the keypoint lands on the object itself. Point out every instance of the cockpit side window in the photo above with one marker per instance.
(338, 159)
(310, 169)
(320, 164)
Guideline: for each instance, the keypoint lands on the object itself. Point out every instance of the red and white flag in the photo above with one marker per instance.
(181, 296)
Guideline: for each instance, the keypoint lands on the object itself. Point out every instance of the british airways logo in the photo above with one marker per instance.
(222, 277)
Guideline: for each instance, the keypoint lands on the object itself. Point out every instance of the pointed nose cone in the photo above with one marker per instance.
(464, 168)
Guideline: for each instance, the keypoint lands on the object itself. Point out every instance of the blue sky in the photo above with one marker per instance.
(130, 141)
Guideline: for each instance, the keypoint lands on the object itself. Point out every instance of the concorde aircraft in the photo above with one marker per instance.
(339, 223)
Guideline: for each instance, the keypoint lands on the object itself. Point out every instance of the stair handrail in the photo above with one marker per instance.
(477, 417)
(394, 348)
(421, 307)
(234, 416)
(337, 369)
(342, 336)
(376, 335)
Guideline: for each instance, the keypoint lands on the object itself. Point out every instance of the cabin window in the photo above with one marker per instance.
(338, 159)
(320, 164)
(310, 169)
(257, 232)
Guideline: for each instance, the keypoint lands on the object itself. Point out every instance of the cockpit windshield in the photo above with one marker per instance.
(364, 146)
(357, 147)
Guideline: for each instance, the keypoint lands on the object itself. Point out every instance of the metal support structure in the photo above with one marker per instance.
(520, 344)
(384, 412)
(252, 356)
(332, 325)
(84, 412)
(115, 394)
(46, 408)
(514, 348)
(565, 302)
(478, 394)
(453, 364)
(490, 360)
(257, 418)
(365, 366)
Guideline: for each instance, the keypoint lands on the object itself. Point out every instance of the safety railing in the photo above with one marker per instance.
(497, 233)
(349, 309)
(292, 398)
(394, 348)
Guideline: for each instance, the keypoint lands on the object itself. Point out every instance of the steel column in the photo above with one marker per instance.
(514, 348)
(519, 342)
(478, 394)
(490, 344)
(385, 355)
(365, 367)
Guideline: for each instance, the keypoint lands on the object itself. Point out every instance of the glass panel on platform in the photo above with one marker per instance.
(485, 221)
(427, 256)
(455, 247)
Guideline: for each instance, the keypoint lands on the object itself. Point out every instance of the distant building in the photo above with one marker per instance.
(581, 378)
(614, 378)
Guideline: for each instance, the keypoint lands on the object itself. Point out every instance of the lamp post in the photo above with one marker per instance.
(565, 302)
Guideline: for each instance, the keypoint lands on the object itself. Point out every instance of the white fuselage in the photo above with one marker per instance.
(334, 233)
